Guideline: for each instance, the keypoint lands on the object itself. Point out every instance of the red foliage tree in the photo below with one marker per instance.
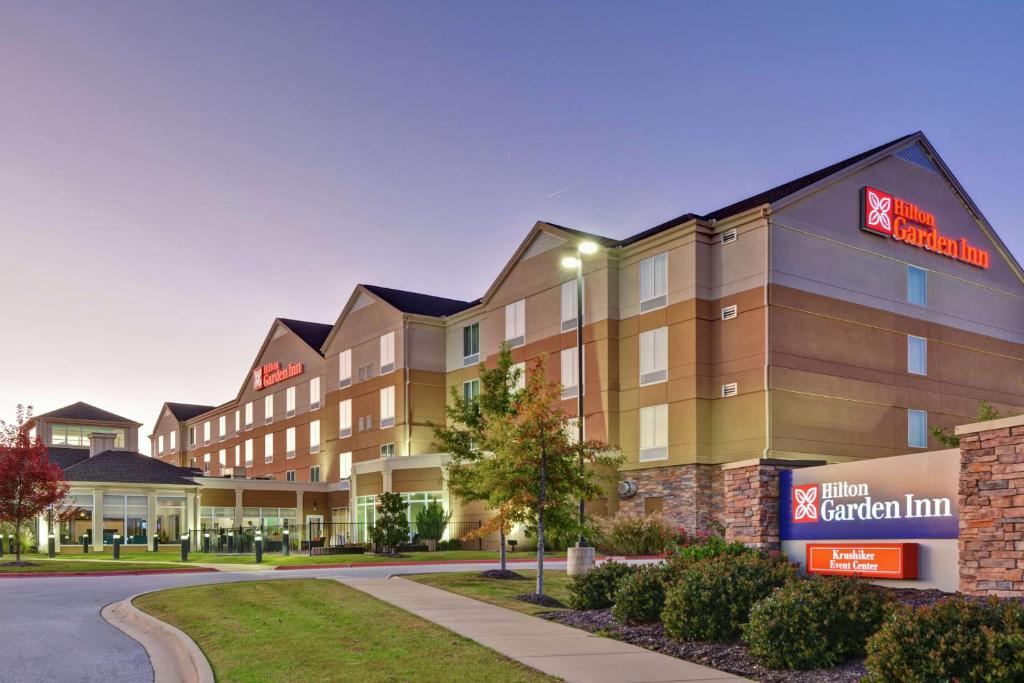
(29, 482)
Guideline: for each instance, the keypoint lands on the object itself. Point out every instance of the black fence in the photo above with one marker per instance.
(339, 538)
(242, 540)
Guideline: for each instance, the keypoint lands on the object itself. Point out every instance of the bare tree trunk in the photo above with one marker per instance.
(501, 552)
(540, 524)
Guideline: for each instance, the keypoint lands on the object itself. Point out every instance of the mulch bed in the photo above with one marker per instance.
(504, 574)
(542, 600)
(730, 657)
(19, 564)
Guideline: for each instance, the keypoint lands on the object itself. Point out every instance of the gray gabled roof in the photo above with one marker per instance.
(85, 412)
(127, 467)
(419, 304)
(186, 411)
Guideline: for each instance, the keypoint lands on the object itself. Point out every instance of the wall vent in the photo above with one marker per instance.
(729, 389)
(916, 155)
(729, 312)
(541, 243)
(729, 236)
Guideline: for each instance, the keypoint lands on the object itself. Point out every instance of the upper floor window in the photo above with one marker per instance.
(917, 285)
(238, 422)
(314, 393)
(917, 355)
(470, 389)
(268, 409)
(206, 432)
(289, 402)
(173, 436)
(248, 415)
(314, 473)
(345, 418)
(289, 442)
(206, 463)
(248, 452)
(314, 436)
(222, 427)
(917, 428)
(160, 444)
(387, 407)
(654, 356)
(387, 352)
(654, 432)
(653, 282)
(222, 458)
(387, 450)
(344, 465)
(289, 475)
(192, 435)
(471, 344)
(568, 295)
(238, 452)
(345, 368)
(515, 323)
(570, 373)
(268, 448)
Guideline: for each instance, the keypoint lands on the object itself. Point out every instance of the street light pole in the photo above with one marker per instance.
(579, 381)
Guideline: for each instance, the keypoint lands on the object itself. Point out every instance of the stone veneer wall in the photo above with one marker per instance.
(691, 494)
(751, 501)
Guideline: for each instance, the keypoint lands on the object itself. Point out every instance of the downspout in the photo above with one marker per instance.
(767, 317)
(405, 400)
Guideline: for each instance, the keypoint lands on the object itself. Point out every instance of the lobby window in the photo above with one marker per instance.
(917, 285)
(344, 465)
(248, 452)
(387, 450)
(654, 356)
(238, 422)
(515, 323)
(268, 448)
(126, 516)
(314, 436)
(345, 368)
(314, 393)
(345, 418)
(289, 442)
(653, 282)
(387, 353)
(568, 296)
(192, 436)
(289, 475)
(222, 427)
(268, 409)
(570, 373)
(206, 463)
(222, 458)
(248, 415)
(470, 390)
(314, 473)
(917, 428)
(387, 407)
(654, 433)
(289, 402)
(471, 344)
(160, 444)
(173, 437)
(238, 454)
(917, 355)
(206, 432)
(520, 370)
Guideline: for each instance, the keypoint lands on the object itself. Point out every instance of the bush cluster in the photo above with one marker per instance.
(956, 640)
(596, 588)
(626, 534)
(641, 596)
(815, 623)
(712, 598)
(702, 548)
(453, 544)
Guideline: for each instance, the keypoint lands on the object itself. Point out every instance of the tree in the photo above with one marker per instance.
(29, 482)
(431, 522)
(985, 413)
(391, 527)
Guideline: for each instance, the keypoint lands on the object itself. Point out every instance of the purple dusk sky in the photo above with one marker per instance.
(174, 175)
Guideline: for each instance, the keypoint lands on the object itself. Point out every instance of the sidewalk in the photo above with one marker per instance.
(554, 649)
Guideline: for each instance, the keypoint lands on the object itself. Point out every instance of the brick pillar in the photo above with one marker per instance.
(992, 507)
(751, 509)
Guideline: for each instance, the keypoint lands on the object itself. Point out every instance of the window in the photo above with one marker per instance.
(730, 312)
(238, 454)
(387, 407)
(345, 368)
(654, 356)
(206, 432)
(362, 423)
(345, 418)
(289, 475)
(470, 390)
(365, 371)
(387, 353)
(160, 444)
(520, 370)
(568, 294)
(268, 409)
(248, 415)
(192, 436)
(471, 344)
(654, 432)
(917, 355)
(387, 450)
(369, 421)
(174, 440)
(917, 428)
(653, 282)
(314, 393)
(78, 434)
(238, 422)
(222, 427)
(570, 373)
(314, 436)
(314, 473)
(515, 323)
(289, 402)
(206, 463)
(917, 285)
(289, 442)
(268, 448)
(222, 458)
(345, 465)
(248, 452)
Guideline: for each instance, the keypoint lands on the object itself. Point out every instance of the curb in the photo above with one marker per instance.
(174, 656)
(124, 572)
(356, 565)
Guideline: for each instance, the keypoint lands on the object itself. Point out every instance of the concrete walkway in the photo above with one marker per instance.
(562, 651)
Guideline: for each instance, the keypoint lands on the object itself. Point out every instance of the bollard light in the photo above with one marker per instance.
(117, 546)
(231, 541)
(184, 547)
(51, 546)
(285, 549)
(85, 544)
(259, 547)
(156, 543)
(206, 543)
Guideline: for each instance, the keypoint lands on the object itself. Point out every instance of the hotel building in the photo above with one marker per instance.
(835, 317)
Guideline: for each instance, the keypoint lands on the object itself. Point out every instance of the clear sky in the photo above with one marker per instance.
(174, 175)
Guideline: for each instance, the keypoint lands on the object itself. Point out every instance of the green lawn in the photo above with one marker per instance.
(319, 630)
(501, 592)
(273, 559)
(45, 566)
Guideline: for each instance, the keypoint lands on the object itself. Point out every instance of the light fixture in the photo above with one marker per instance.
(570, 262)
(587, 248)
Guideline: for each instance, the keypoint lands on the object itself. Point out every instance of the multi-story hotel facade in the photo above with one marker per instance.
(836, 317)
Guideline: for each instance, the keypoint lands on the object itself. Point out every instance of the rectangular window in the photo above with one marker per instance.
(222, 427)
(268, 409)
(653, 282)
(568, 295)
(268, 448)
(160, 444)
(387, 451)
(362, 423)
(192, 436)
(387, 407)
(345, 418)
(289, 402)
(345, 465)
(570, 373)
(515, 323)
(314, 473)
(222, 458)
(174, 440)
(654, 356)
(289, 442)
(470, 389)
(387, 352)
(248, 415)
(238, 422)
(654, 432)
(238, 455)
(206, 463)
(917, 355)
(471, 344)
(917, 285)
(314, 393)
(248, 452)
(314, 436)
(520, 374)
(917, 428)
(206, 432)
(289, 475)
(345, 368)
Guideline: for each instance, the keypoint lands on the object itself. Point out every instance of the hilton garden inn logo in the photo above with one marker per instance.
(842, 502)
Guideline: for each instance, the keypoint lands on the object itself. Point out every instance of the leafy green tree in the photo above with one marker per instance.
(985, 413)
(431, 521)
(391, 527)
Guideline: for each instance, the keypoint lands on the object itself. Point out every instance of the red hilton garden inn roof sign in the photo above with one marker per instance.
(270, 374)
(883, 214)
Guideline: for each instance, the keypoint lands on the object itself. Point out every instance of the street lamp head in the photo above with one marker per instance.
(570, 262)
(587, 247)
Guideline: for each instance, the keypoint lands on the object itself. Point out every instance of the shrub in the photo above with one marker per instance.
(453, 544)
(596, 588)
(626, 534)
(813, 623)
(431, 521)
(392, 525)
(641, 596)
(953, 640)
(712, 599)
(680, 557)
